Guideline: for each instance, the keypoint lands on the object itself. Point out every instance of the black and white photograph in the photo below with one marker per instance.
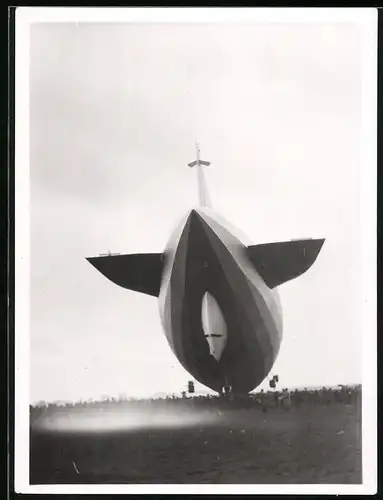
(195, 250)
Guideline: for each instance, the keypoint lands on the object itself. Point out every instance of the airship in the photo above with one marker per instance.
(218, 297)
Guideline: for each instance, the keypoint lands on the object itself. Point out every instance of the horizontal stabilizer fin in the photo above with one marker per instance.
(283, 261)
(199, 162)
(138, 272)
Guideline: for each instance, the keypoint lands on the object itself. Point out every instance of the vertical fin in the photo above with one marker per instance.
(203, 193)
(204, 197)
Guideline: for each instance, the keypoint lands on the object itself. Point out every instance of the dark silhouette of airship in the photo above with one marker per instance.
(218, 297)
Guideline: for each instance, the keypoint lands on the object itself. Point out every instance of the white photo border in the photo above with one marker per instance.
(366, 18)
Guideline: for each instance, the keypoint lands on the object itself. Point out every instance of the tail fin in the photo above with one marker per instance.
(138, 272)
(283, 261)
(204, 197)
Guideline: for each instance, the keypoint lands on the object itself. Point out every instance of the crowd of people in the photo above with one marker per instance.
(264, 400)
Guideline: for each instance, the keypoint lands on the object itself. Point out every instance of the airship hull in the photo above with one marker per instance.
(204, 256)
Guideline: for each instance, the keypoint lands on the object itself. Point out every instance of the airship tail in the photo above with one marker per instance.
(279, 262)
(138, 272)
(204, 197)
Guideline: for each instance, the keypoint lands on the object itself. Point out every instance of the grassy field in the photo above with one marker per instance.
(312, 443)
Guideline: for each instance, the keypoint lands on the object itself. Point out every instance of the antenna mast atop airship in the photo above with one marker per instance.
(204, 198)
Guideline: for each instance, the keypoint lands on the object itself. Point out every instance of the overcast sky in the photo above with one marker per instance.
(115, 110)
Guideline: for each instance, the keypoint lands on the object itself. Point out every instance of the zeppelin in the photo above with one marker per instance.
(217, 296)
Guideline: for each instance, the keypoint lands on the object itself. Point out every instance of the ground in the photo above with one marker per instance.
(312, 443)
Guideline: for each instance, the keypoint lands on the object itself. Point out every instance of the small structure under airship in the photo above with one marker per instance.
(218, 298)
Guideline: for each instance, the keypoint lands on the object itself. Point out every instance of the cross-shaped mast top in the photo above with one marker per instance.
(204, 197)
(198, 162)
